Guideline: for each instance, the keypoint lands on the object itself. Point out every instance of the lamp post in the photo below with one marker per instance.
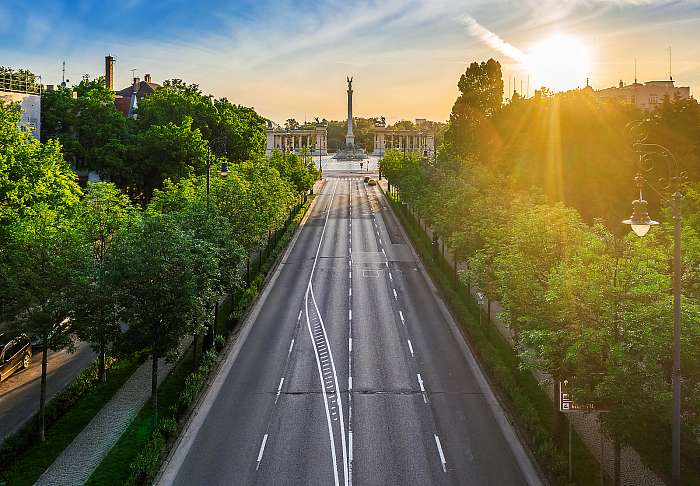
(641, 223)
(223, 172)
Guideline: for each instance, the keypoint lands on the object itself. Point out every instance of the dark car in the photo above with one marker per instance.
(367, 178)
(15, 353)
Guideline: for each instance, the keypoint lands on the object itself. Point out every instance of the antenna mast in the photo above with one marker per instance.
(670, 73)
(635, 70)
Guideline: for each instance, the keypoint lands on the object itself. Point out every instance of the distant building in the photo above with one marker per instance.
(16, 89)
(315, 139)
(127, 99)
(646, 96)
(420, 139)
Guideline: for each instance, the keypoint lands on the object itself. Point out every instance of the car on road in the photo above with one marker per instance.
(371, 182)
(15, 353)
(367, 178)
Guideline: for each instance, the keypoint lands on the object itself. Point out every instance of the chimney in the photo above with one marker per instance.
(137, 81)
(147, 78)
(109, 72)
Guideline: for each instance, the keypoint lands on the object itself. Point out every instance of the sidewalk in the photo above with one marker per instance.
(80, 459)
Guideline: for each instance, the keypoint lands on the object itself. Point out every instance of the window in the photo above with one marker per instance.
(653, 99)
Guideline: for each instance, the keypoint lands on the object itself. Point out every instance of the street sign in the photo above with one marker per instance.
(566, 401)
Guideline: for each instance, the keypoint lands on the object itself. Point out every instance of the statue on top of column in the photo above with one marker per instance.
(349, 82)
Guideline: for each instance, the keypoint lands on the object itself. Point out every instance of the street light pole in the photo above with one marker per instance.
(641, 223)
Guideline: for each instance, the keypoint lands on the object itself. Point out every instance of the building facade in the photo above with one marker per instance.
(315, 139)
(646, 96)
(27, 95)
(420, 140)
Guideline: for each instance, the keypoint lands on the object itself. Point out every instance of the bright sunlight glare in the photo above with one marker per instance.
(559, 62)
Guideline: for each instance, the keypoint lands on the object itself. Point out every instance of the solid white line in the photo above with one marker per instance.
(349, 382)
(410, 347)
(337, 391)
(309, 290)
(442, 456)
(350, 345)
(262, 449)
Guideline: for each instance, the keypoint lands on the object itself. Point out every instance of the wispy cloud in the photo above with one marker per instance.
(494, 41)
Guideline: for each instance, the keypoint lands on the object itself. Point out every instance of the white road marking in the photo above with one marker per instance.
(309, 291)
(350, 292)
(350, 274)
(442, 456)
(350, 345)
(350, 383)
(391, 277)
(422, 389)
(395, 296)
(410, 347)
(291, 345)
(279, 390)
(350, 314)
(299, 316)
(402, 318)
(262, 449)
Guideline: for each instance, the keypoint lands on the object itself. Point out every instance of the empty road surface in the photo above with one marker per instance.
(349, 372)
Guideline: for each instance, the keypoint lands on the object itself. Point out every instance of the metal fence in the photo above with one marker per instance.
(19, 83)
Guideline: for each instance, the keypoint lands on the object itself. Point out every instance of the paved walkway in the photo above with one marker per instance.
(80, 459)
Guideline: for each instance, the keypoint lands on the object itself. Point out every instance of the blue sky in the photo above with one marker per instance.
(290, 58)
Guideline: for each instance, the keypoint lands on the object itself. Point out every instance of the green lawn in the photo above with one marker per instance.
(114, 468)
(34, 461)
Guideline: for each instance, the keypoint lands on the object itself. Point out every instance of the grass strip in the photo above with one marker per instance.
(137, 456)
(34, 457)
(540, 424)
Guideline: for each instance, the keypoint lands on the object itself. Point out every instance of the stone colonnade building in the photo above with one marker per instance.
(416, 140)
(315, 139)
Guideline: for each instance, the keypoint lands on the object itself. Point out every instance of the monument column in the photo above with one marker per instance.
(349, 137)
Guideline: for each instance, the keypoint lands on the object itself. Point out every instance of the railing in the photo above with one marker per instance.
(19, 83)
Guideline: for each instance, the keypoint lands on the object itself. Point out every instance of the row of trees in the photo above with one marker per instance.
(583, 302)
(96, 265)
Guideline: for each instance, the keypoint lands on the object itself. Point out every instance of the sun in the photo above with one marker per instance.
(559, 62)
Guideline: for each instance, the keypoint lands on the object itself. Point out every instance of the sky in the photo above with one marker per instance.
(291, 58)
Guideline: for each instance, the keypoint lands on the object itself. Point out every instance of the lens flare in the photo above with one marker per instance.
(559, 62)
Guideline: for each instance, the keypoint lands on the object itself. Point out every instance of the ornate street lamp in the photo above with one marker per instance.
(641, 223)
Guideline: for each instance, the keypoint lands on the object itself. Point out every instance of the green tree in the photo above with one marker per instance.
(165, 279)
(31, 172)
(104, 212)
(42, 269)
(481, 96)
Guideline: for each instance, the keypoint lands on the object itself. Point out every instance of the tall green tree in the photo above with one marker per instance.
(42, 269)
(31, 172)
(165, 278)
(104, 212)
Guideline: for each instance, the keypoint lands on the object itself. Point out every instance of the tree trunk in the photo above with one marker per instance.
(42, 396)
(102, 367)
(194, 352)
(617, 462)
(154, 388)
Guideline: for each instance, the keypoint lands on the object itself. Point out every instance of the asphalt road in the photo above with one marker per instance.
(349, 371)
(19, 394)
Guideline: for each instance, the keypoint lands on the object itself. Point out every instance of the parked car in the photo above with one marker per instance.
(367, 178)
(16, 353)
(371, 182)
(62, 326)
